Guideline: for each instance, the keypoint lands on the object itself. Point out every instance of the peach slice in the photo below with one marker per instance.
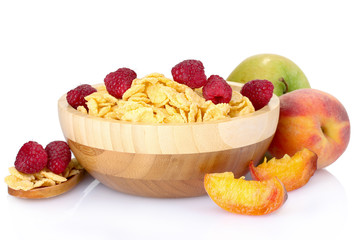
(245, 197)
(294, 172)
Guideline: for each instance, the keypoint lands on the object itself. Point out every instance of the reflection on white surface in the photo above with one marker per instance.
(86, 191)
(95, 211)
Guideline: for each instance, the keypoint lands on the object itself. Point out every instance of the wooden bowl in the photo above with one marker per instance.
(166, 160)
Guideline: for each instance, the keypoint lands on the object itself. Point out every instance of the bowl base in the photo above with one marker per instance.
(164, 175)
(153, 188)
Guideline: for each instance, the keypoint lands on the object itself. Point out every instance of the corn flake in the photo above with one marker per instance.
(82, 109)
(194, 97)
(236, 98)
(23, 176)
(73, 172)
(18, 184)
(176, 118)
(183, 115)
(134, 89)
(242, 108)
(216, 112)
(142, 114)
(171, 110)
(156, 94)
(53, 176)
(199, 116)
(44, 182)
(191, 116)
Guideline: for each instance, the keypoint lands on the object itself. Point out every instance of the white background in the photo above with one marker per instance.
(49, 47)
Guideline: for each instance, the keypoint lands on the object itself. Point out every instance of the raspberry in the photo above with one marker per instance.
(259, 92)
(59, 156)
(190, 73)
(75, 97)
(118, 82)
(86, 89)
(217, 90)
(31, 158)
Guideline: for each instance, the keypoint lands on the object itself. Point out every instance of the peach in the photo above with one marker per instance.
(294, 172)
(245, 197)
(311, 119)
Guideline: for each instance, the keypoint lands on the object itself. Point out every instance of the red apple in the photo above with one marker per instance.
(311, 119)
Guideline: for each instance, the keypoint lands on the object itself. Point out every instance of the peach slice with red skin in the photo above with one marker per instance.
(245, 197)
(294, 172)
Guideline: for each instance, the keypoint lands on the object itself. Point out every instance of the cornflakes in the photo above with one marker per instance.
(45, 178)
(139, 88)
(18, 184)
(142, 114)
(171, 110)
(55, 177)
(157, 99)
(44, 182)
(82, 109)
(191, 116)
(241, 107)
(176, 118)
(194, 97)
(216, 112)
(23, 176)
(156, 94)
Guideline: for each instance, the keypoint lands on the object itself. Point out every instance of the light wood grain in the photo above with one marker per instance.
(123, 136)
(164, 175)
(47, 192)
(166, 160)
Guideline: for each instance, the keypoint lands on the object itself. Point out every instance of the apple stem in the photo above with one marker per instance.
(285, 83)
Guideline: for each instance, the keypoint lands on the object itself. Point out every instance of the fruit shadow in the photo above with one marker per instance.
(320, 203)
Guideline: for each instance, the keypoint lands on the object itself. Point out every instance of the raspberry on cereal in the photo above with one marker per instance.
(217, 90)
(31, 158)
(59, 156)
(190, 72)
(119, 81)
(259, 92)
(76, 96)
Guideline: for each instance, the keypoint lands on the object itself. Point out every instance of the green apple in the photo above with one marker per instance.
(282, 72)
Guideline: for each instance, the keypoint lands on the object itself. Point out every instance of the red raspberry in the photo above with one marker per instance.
(190, 73)
(86, 89)
(259, 92)
(31, 158)
(118, 82)
(217, 90)
(59, 156)
(75, 97)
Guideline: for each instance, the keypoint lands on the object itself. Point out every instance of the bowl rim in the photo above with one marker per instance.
(273, 103)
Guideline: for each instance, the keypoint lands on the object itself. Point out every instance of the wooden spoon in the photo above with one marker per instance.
(47, 192)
